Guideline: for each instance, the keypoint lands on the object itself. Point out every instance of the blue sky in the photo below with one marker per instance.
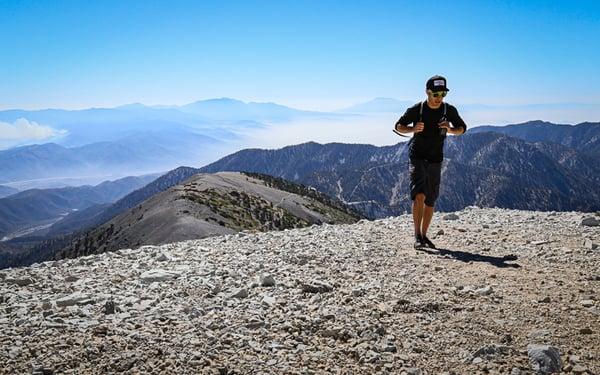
(309, 54)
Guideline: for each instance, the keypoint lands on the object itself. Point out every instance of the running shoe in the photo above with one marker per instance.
(419, 242)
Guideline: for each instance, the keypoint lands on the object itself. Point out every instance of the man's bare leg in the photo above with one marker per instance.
(427, 215)
(417, 211)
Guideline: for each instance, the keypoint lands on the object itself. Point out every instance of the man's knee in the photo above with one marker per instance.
(430, 202)
(420, 198)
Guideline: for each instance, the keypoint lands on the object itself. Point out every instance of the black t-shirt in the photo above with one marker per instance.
(429, 144)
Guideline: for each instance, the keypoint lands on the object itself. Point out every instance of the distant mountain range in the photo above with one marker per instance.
(150, 151)
(215, 118)
(72, 221)
(133, 139)
(482, 168)
(6, 191)
(32, 212)
(227, 109)
(584, 137)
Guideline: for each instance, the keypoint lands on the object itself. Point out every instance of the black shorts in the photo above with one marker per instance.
(425, 178)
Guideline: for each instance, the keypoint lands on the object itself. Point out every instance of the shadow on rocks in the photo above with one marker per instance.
(464, 256)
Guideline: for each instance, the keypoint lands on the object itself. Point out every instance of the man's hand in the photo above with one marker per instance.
(445, 125)
(451, 130)
(419, 127)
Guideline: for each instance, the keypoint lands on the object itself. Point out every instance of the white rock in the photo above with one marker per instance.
(451, 217)
(239, 293)
(158, 275)
(73, 299)
(268, 300)
(485, 291)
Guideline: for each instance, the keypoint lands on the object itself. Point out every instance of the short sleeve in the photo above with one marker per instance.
(455, 118)
(409, 117)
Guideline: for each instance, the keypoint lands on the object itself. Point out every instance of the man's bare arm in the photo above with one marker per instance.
(419, 126)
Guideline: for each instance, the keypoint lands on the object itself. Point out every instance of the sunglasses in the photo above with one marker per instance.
(437, 94)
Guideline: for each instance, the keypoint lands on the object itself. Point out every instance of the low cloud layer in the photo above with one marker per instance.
(376, 129)
(23, 131)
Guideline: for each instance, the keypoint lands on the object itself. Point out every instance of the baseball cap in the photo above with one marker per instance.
(437, 83)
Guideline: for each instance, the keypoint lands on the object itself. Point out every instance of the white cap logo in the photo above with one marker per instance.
(439, 82)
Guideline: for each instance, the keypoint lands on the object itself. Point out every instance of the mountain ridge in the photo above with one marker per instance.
(347, 171)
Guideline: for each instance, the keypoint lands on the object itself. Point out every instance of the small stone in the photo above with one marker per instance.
(489, 352)
(588, 244)
(544, 359)
(390, 347)
(316, 286)
(109, 307)
(545, 300)
(541, 242)
(20, 281)
(268, 300)
(73, 299)
(239, 293)
(42, 371)
(332, 332)
(586, 331)
(267, 280)
(451, 217)
(590, 222)
(485, 291)
(158, 275)
(477, 360)
(164, 257)
(587, 303)
(255, 324)
(579, 369)
(440, 232)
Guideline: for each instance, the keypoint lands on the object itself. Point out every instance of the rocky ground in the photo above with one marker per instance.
(341, 299)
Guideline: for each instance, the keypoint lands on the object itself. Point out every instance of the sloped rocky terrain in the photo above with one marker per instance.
(508, 292)
(207, 205)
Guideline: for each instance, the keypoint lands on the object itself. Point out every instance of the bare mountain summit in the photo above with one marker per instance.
(209, 205)
(509, 292)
